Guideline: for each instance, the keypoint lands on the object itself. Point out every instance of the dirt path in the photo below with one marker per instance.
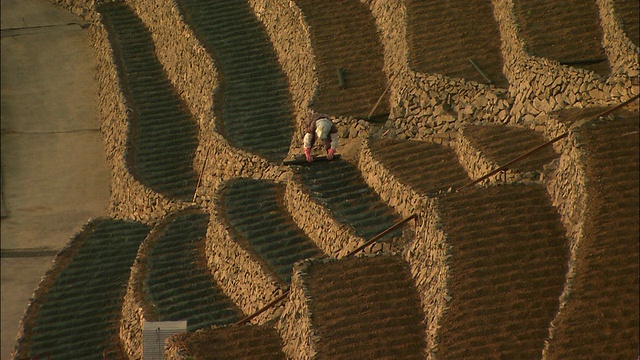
(54, 170)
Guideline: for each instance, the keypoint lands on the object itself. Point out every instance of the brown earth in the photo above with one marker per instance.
(628, 11)
(508, 261)
(601, 316)
(444, 35)
(344, 36)
(366, 308)
(233, 342)
(503, 144)
(565, 31)
(425, 166)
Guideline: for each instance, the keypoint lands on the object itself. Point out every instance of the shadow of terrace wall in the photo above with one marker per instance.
(540, 86)
(425, 105)
(129, 198)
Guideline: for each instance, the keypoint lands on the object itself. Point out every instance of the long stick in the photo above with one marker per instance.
(206, 157)
(484, 75)
(381, 96)
(561, 136)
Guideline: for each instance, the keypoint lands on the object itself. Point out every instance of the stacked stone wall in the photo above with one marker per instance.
(427, 257)
(240, 277)
(129, 198)
(424, 107)
(294, 326)
(540, 86)
(404, 199)
(316, 221)
(135, 310)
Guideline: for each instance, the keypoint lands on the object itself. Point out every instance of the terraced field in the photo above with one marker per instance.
(601, 316)
(628, 11)
(427, 167)
(76, 313)
(508, 262)
(366, 308)
(566, 31)
(253, 104)
(178, 284)
(261, 224)
(162, 133)
(507, 252)
(255, 342)
(505, 143)
(343, 36)
(339, 186)
(444, 35)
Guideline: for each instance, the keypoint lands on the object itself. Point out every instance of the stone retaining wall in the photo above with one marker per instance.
(621, 51)
(540, 86)
(402, 198)
(427, 257)
(424, 105)
(565, 181)
(135, 310)
(240, 277)
(316, 221)
(426, 254)
(294, 326)
(129, 198)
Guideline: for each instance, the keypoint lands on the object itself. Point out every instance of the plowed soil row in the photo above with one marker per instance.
(504, 143)
(261, 224)
(235, 342)
(77, 317)
(628, 12)
(178, 284)
(601, 316)
(163, 135)
(366, 308)
(427, 167)
(563, 30)
(444, 35)
(508, 263)
(339, 186)
(344, 36)
(253, 103)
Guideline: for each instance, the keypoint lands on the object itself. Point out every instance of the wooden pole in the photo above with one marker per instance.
(206, 157)
(484, 74)
(381, 96)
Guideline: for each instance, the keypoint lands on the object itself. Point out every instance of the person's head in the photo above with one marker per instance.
(323, 126)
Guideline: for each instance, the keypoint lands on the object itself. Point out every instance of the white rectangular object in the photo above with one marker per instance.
(153, 335)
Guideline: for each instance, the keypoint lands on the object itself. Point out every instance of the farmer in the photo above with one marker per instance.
(320, 126)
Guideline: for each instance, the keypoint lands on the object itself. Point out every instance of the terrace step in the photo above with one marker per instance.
(427, 167)
(443, 36)
(233, 342)
(275, 238)
(601, 315)
(344, 36)
(176, 266)
(505, 143)
(507, 271)
(157, 108)
(244, 55)
(78, 314)
(551, 29)
(338, 186)
(365, 308)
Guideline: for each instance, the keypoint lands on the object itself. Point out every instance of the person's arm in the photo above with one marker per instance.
(308, 140)
(334, 141)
